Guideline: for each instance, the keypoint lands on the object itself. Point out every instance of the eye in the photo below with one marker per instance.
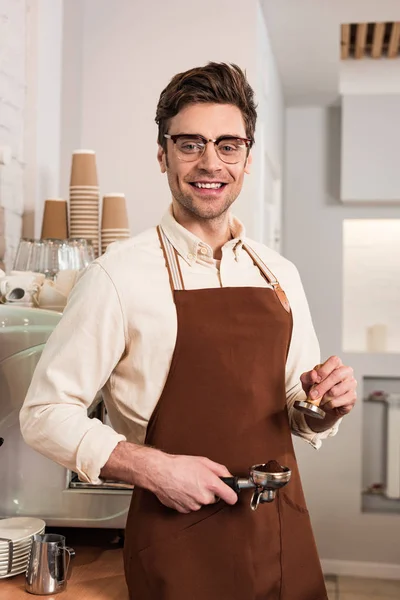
(190, 145)
(228, 147)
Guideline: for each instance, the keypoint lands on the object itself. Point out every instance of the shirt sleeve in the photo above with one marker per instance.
(304, 354)
(76, 362)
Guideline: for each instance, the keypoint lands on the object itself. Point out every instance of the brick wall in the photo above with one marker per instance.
(13, 19)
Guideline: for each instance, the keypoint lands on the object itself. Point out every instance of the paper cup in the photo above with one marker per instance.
(88, 201)
(114, 213)
(105, 239)
(55, 219)
(83, 196)
(82, 208)
(84, 220)
(84, 187)
(83, 168)
(120, 230)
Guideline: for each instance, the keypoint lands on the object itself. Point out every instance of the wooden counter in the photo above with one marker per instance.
(97, 569)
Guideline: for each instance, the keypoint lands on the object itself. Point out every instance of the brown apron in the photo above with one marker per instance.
(225, 399)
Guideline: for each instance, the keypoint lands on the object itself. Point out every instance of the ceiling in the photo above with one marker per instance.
(306, 41)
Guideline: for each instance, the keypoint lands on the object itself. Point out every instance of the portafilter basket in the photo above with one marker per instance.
(264, 478)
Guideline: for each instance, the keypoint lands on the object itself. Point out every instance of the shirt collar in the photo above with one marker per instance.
(190, 247)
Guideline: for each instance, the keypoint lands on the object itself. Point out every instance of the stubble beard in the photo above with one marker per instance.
(202, 209)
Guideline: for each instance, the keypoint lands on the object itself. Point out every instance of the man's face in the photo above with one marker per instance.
(210, 121)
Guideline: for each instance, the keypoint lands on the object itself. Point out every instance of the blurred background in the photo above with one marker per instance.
(324, 190)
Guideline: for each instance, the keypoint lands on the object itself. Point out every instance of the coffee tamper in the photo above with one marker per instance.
(310, 407)
(266, 478)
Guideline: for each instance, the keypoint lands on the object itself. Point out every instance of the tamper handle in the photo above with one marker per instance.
(232, 482)
(309, 399)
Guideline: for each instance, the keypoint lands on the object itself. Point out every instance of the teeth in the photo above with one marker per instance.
(214, 186)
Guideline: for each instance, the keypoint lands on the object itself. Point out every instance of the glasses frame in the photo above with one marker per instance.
(247, 142)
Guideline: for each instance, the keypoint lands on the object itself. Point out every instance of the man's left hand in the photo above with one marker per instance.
(334, 383)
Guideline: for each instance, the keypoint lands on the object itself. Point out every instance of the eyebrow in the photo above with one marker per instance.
(234, 135)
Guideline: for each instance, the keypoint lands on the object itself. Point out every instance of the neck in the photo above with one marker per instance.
(214, 232)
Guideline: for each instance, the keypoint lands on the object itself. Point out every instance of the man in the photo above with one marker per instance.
(202, 341)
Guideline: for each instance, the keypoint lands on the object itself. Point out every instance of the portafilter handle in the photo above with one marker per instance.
(238, 483)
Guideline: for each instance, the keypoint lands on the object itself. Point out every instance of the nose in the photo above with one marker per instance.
(210, 160)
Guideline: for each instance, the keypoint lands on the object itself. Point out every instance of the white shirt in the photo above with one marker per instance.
(118, 333)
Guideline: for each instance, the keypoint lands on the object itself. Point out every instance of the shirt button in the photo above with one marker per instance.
(190, 256)
(203, 250)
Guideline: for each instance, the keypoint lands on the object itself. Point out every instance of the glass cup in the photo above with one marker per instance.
(23, 254)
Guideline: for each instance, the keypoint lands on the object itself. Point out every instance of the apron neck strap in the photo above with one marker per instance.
(175, 273)
(269, 276)
(171, 261)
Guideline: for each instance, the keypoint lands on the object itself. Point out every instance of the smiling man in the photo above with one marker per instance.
(202, 342)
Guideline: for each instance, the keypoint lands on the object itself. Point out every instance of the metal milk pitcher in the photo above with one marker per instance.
(48, 564)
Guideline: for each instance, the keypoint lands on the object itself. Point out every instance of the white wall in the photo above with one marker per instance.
(30, 83)
(313, 216)
(369, 76)
(130, 51)
(43, 109)
(370, 147)
(268, 154)
(71, 88)
(12, 103)
(371, 280)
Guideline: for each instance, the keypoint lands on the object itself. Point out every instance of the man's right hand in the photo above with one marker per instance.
(184, 483)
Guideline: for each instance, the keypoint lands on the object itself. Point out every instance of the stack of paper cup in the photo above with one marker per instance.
(114, 220)
(84, 198)
(55, 219)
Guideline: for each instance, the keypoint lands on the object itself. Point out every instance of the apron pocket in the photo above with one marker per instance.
(196, 563)
(302, 577)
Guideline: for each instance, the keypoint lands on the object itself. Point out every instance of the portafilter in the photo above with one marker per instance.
(264, 478)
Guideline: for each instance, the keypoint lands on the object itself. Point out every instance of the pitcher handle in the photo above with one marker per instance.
(71, 554)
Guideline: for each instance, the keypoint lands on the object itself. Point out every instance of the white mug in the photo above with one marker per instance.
(65, 280)
(49, 295)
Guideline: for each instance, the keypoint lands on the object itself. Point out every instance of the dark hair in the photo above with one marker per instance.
(218, 83)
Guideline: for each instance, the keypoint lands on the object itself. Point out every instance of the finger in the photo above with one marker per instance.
(182, 510)
(340, 389)
(216, 468)
(210, 498)
(343, 404)
(309, 378)
(326, 368)
(223, 491)
(335, 377)
(174, 505)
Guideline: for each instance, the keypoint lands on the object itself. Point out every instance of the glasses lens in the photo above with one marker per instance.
(189, 147)
(231, 150)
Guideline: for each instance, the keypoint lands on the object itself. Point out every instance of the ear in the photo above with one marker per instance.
(162, 159)
(249, 162)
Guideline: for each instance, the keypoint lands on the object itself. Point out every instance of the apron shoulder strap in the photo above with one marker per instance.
(171, 261)
(269, 276)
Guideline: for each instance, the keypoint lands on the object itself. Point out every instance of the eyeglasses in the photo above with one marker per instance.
(230, 149)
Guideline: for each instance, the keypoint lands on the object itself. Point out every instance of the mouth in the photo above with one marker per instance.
(207, 188)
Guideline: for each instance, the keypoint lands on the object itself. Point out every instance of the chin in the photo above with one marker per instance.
(207, 208)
